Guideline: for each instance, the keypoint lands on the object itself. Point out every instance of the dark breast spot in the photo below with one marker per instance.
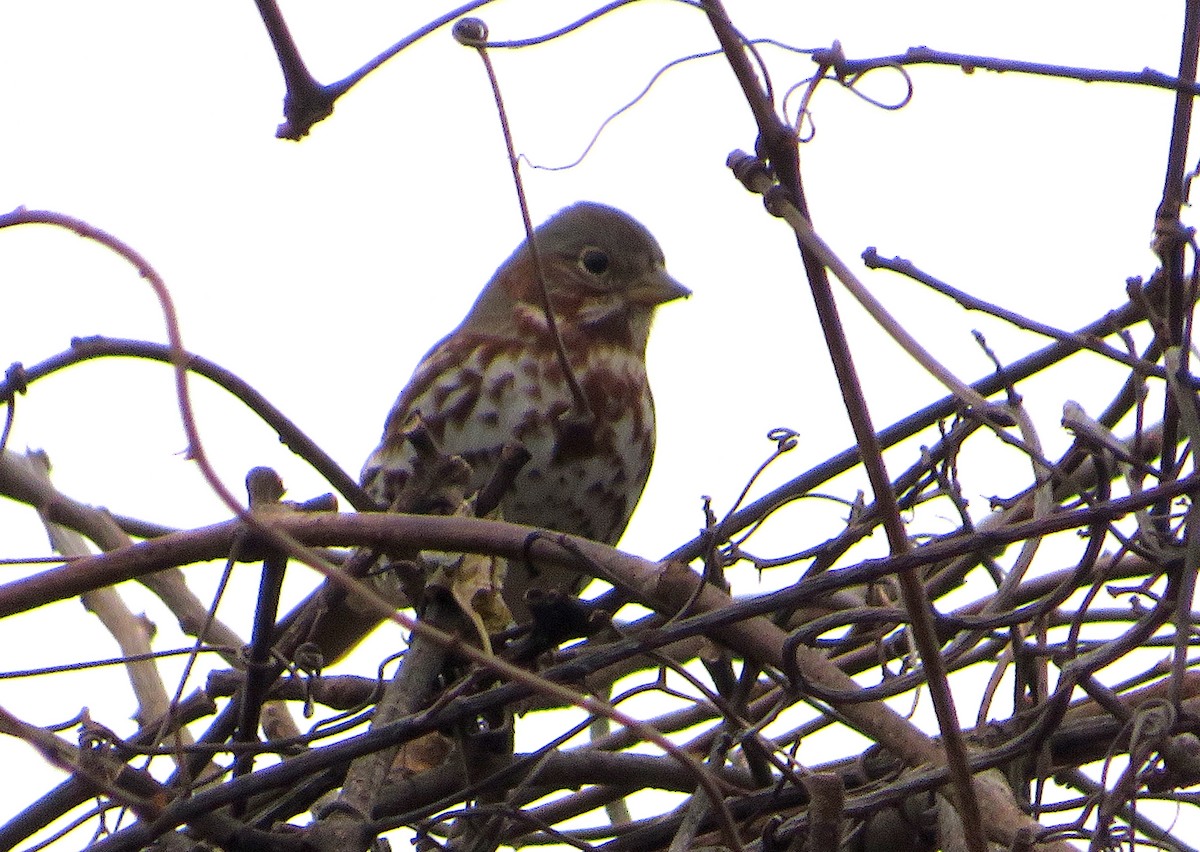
(499, 386)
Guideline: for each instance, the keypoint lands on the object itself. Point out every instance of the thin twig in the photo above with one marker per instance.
(472, 32)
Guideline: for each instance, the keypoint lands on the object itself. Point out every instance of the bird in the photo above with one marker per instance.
(498, 379)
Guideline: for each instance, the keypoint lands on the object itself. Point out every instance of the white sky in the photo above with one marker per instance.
(322, 271)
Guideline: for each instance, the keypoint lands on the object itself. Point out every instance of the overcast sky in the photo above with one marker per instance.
(321, 271)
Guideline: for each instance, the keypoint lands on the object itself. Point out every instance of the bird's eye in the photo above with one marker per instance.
(594, 260)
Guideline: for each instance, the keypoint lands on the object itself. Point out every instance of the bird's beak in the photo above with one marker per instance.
(655, 288)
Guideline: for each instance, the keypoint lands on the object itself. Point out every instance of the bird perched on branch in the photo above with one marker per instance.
(569, 386)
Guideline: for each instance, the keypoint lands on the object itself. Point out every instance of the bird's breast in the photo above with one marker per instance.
(586, 468)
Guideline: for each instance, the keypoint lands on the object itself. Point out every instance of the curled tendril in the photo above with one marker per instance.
(798, 128)
(785, 439)
(751, 45)
(803, 111)
(851, 83)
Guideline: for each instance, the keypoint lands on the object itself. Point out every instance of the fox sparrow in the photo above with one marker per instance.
(498, 379)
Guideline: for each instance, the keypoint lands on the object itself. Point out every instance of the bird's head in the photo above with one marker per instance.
(604, 273)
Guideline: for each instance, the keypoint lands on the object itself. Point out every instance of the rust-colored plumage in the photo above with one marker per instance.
(497, 379)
